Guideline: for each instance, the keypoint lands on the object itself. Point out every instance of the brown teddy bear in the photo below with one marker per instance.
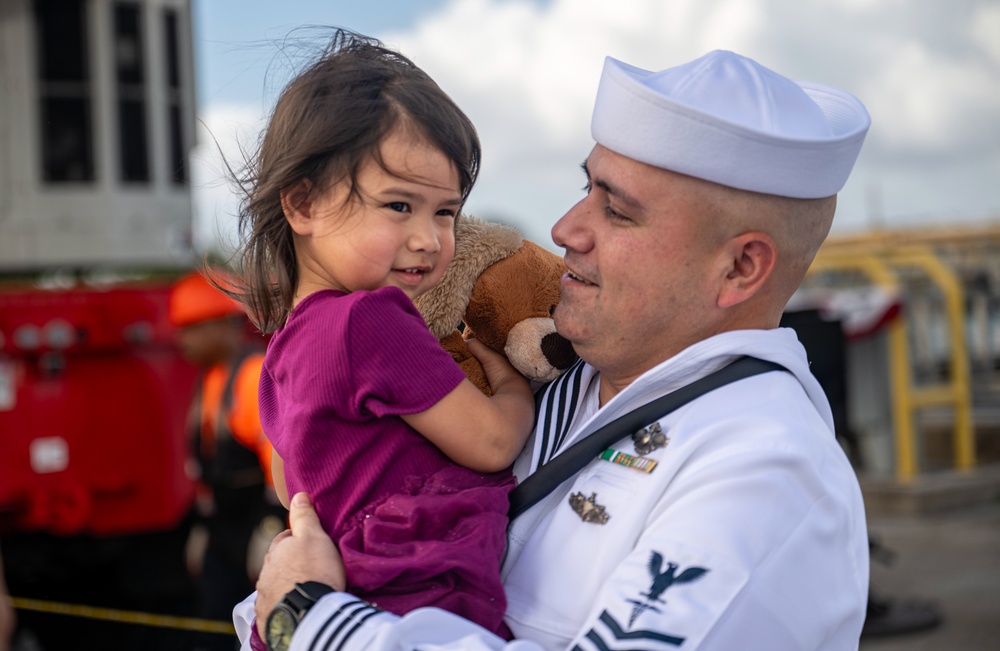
(502, 289)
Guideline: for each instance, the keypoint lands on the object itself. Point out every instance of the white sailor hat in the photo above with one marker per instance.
(726, 118)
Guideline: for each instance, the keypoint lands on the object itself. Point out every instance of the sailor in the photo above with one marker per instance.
(236, 501)
(734, 521)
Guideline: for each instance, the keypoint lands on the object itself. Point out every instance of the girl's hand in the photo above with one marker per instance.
(498, 370)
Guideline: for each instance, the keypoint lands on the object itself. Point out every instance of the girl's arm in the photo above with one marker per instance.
(480, 432)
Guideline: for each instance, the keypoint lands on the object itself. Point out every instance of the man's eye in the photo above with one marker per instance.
(399, 206)
(588, 187)
(614, 215)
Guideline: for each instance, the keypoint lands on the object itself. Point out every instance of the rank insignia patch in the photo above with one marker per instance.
(661, 581)
(648, 439)
(588, 509)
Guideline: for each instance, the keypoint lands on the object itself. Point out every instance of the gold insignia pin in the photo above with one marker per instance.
(588, 509)
(648, 439)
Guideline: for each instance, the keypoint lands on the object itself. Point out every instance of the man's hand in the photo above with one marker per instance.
(302, 553)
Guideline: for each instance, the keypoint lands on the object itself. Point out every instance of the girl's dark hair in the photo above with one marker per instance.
(327, 121)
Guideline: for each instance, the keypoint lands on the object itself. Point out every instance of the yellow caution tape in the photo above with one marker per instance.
(124, 616)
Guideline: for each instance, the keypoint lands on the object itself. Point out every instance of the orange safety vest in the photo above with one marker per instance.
(227, 413)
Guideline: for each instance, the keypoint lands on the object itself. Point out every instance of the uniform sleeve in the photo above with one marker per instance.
(342, 622)
(691, 569)
(397, 365)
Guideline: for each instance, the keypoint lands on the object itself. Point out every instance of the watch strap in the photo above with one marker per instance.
(288, 613)
(304, 596)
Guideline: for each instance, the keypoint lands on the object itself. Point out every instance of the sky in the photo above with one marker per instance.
(526, 73)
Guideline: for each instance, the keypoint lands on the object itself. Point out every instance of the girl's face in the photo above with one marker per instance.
(398, 231)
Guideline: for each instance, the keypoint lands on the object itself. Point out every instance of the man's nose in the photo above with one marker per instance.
(569, 231)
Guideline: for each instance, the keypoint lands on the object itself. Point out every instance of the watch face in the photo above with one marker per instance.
(280, 626)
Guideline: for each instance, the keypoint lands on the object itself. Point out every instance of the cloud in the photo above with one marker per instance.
(225, 133)
(526, 73)
(985, 28)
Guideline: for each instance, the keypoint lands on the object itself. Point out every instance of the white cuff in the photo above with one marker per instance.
(339, 621)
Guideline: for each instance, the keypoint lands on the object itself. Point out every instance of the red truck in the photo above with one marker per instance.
(96, 121)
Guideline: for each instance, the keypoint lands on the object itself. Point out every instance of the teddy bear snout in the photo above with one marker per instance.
(526, 349)
(558, 351)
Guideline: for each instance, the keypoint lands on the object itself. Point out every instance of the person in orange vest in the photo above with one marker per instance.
(236, 508)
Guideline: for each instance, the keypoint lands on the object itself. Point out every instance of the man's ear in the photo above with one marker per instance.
(751, 259)
(297, 204)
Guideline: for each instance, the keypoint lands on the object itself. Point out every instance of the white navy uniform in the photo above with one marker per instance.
(748, 534)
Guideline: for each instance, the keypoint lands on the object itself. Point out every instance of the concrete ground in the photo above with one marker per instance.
(951, 557)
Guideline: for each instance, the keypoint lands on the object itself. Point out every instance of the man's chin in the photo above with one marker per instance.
(567, 324)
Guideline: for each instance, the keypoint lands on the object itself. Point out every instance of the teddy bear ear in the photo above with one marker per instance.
(478, 244)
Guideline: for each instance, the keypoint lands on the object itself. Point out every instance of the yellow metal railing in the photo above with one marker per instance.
(881, 264)
(124, 616)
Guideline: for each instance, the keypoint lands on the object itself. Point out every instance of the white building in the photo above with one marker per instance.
(96, 122)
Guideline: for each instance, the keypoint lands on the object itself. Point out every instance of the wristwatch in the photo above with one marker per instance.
(289, 612)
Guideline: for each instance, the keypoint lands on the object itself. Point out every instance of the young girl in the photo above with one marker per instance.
(350, 214)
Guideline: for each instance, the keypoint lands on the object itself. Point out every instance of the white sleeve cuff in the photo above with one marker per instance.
(243, 616)
(339, 621)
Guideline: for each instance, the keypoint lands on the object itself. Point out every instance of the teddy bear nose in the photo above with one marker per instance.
(558, 351)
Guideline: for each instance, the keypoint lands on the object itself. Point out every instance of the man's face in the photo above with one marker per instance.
(641, 263)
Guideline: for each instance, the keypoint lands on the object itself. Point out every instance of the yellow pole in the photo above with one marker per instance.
(961, 392)
(899, 356)
(902, 405)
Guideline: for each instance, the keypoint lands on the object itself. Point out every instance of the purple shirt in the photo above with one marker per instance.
(335, 380)
(414, 529)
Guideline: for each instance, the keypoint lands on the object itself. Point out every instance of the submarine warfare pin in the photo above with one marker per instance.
(648, 439)
(588, 509)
